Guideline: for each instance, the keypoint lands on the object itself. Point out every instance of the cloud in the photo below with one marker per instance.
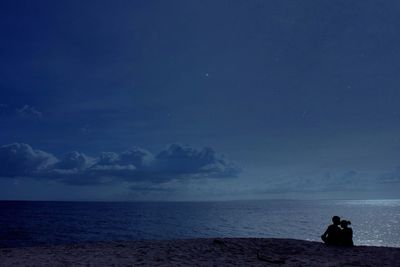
(150, 188)
(341, 180)
(175, 162)
(74, 160)
(317, 182)
(390, 177)
(21, 160)
(85, 130)
(28, 112)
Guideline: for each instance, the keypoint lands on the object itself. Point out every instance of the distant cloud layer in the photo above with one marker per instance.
(23, 112)
(28, 112)
(391, 177)
(134, 165)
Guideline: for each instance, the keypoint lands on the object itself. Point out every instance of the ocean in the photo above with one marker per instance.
(30, 223)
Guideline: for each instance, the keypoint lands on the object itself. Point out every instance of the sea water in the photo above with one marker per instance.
(25, 223)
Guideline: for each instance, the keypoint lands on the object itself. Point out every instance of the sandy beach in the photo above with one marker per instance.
(201, 252)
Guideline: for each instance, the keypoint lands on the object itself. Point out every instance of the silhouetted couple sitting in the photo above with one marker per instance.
(339, 236)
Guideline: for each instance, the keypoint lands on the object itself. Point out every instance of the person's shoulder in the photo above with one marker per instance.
(332, 227)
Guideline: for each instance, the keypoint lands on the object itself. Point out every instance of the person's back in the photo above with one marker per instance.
(346, 234)
(332, 233)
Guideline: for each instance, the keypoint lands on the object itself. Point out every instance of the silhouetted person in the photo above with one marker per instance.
(332, 233)
(346, 234)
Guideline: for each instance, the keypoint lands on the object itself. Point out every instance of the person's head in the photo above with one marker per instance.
(344, 224)
(336, 220)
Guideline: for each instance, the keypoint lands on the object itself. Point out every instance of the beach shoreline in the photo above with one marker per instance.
(201, 252)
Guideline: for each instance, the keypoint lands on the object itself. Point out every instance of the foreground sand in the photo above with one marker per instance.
(201, 252)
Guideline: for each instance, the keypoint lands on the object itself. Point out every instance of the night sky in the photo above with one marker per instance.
(199, 100)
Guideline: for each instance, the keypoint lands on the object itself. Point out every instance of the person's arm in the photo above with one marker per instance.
(324, 235)
(326, 232)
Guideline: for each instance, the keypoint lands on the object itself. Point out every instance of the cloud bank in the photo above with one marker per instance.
(134, 165)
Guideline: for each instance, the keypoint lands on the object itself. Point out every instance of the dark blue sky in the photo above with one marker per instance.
(302, 98)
